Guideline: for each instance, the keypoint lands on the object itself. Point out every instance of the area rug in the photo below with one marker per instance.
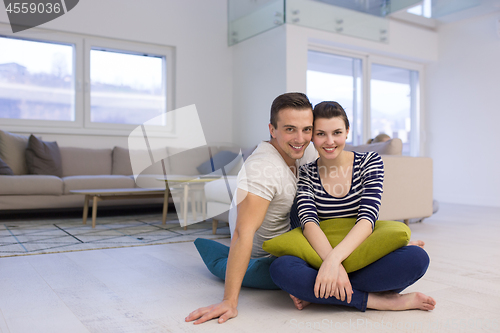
(20, 238)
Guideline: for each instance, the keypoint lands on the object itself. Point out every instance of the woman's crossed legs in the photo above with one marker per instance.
(377, 286)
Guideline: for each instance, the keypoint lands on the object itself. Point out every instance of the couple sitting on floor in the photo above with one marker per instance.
(338, 184)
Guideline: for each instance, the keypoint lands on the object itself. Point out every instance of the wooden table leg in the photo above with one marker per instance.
(194, 205)
(203, 205)
(165, 207)
(85, 209)
(94, 210)
(214, 226)
(185, 213)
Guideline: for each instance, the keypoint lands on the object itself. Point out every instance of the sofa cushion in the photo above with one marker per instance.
(12, 151)
(83, 161)
(96, 182)
(391, 147)
(43, 158)
(31, 185)
(121, 162)
(5, 169)
(224, 158)
(182, 161)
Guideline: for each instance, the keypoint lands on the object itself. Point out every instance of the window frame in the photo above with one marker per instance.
(81, 65)
(55, 38)
(417, 135)
(136, 49)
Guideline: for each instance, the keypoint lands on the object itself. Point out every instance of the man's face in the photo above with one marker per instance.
(293, 133)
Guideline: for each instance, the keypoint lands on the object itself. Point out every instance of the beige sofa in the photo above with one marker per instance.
(407, 185)
(87, 169)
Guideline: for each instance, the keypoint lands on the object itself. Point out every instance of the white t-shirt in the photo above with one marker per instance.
(266, 174)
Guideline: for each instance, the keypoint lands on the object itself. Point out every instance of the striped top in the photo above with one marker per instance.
(362, 201)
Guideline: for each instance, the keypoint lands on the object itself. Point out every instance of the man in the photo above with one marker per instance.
(265, 194)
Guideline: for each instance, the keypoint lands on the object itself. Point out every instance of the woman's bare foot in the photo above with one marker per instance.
(299, 304)
(419, 243)
(398, 302)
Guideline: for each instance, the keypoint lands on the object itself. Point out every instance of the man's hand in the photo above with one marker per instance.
(224, 311)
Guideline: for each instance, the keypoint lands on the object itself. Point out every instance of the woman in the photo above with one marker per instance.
(346, 184)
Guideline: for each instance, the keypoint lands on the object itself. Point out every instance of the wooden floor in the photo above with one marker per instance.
(152, 288)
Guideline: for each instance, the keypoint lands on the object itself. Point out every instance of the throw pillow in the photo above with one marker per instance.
(12, 151)
(121, 162)
(385, 238)
(215, 255)
(391, 147)
(224, 158)
(5, 169)
(43, 158)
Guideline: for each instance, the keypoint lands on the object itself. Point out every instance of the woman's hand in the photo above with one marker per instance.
(332, 280)
(326, 280)
(343, 289)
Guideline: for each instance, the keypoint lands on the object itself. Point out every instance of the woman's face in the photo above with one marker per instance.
(329, 136)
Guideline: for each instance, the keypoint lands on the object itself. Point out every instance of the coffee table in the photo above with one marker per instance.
(120, 193)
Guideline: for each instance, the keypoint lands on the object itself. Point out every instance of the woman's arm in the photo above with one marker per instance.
(372, 179)
(317, 238)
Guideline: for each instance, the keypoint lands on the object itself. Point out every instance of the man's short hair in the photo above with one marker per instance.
(292, 100)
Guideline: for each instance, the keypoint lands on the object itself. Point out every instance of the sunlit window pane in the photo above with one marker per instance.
(391, 103)
(36, 80)
(336, 78)
(126, 88)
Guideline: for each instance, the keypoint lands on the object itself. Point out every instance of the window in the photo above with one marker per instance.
(62, 83)
(393, 93)
(37, 80)
(337, 78)
(130, 96)
(380, 95)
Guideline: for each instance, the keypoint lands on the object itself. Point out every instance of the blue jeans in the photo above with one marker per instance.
(393, 272)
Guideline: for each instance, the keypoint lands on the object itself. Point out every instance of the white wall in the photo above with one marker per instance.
(464, 113)
(197, 30)
(259, 76)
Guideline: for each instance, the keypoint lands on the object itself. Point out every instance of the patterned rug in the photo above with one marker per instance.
(69, 234)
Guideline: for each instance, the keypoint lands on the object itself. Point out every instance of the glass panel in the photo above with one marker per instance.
(372, 7)
(394, 102)
(337, 78)
(126, 88)
(36, 80)
(440, 8)
(444, 7)
(323, 16)
(396, 5)
(250, 18)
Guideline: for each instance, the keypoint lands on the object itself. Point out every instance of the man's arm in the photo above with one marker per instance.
(251, 212)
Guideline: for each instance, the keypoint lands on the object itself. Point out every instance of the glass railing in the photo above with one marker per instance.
(363, 19)
(250, 18)
(323, 16)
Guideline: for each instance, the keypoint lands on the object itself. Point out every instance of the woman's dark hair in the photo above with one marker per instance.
(293, 100)
(330, 110)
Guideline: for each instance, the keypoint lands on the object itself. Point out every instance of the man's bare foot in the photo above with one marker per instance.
(299, 304)
(417, 243)
(398, 302)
